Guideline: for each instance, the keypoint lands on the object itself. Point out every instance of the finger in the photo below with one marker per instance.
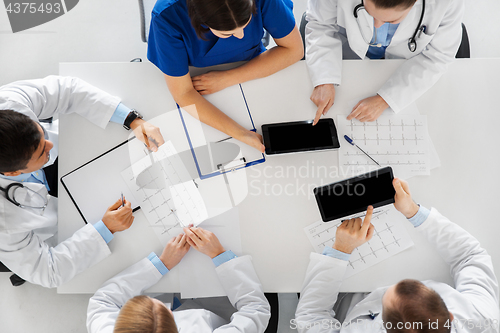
(357, 223)
(354, 111)
(178, 238)
(130, 221)
(183, 239)
(400, 188)
(191, 243)
(319, 113)
(328, 106)
(196, 78)
(115, 206)
(204, 92)
(368, 219)
(196, 235)
(151, 143)
(370, 232)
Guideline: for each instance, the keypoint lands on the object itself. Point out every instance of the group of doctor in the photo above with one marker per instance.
(203, 33)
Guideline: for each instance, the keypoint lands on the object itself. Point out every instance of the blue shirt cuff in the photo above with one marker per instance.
(103, 231)
(120, 114)
(160, 266)
(420, 217)
(223, 257)
(331, 252)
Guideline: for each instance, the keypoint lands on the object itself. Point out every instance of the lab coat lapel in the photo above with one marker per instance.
(354, 35)
(372, 302)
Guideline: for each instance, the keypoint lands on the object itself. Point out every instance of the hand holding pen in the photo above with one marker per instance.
(118, 217)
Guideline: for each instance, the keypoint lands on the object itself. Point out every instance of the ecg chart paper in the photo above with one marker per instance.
(169, 201)
(389, 238)
(399, 141)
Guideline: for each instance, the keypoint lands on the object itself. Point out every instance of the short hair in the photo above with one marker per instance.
(141, 315)
(222, 15)
(19, 139)
(386, 4)
(417, 309)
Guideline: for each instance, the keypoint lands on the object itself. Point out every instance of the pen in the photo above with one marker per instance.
(123, 201)
(422, 29)
(348, 139)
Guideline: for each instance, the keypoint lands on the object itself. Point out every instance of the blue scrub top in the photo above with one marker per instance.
(173, 45)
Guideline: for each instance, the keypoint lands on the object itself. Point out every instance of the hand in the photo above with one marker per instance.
(323, 96)
(368, 109)
(175, 250)
(118, 218)
(149, 134)
(253, 139)
(211, 82)
(204, 241)
(351, 233)
(403, 201)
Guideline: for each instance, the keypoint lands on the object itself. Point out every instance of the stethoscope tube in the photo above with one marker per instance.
(412, 42)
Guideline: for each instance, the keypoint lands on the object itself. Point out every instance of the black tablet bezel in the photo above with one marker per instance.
(319, 190)
(267, 143)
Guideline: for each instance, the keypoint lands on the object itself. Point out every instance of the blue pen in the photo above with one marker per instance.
(348, 139)
(123, 201)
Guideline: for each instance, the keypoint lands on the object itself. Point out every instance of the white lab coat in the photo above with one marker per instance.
(25, 234)
(330, 21)
(238, 277)
(475, 296)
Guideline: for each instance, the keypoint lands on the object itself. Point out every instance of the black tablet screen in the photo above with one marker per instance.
(301, 136)
(355, 195)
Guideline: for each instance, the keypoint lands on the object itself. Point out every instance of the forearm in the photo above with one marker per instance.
(319, 292)
(106, 303)
(36, 262)
(207, 113)
(265, 64)
(470, 264)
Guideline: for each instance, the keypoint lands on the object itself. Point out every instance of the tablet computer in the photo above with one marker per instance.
(300, 136)
(354, 195)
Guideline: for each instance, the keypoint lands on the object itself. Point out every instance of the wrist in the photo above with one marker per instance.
(216, 253)
(342, 249)
(136, 123)
(412, 212)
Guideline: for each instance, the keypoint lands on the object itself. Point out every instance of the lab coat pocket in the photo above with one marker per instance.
(422, 41)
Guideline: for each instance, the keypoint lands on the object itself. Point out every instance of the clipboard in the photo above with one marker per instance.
(233, 103)
(92, 191)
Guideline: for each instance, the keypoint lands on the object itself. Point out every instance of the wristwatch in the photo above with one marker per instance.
(133, 115)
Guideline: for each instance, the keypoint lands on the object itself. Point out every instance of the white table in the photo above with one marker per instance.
(462, 117)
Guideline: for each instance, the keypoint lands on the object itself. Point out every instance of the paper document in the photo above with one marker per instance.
(389, 238)
(169, 201)
(197, 271)
(399, 141)
(232, 102)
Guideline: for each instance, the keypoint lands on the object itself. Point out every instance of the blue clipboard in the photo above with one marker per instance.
(244, 163)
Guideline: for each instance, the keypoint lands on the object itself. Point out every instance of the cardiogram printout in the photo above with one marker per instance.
(389, 238)
(399, 141)
(168, 196)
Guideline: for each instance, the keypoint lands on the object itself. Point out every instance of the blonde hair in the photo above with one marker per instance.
(142, 315)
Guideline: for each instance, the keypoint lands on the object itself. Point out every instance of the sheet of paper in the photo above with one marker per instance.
(399, 141)
(197, 271)
(390, 238)
(232, 102)
(169, 203)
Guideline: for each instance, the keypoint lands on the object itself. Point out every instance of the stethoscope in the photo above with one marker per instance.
(10, 195)
(412, 42)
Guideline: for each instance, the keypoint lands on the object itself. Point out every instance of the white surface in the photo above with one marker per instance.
(109, 31)
(280, 201)
(389, 238)
(196, 270)
(399, 141)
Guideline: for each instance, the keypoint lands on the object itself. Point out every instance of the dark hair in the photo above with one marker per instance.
(19, 139)
(222, 15)
(385, 4)
(418, 309)
(141, 315)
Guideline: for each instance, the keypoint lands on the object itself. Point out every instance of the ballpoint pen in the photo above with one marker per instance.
(123, 201)
(348, 139)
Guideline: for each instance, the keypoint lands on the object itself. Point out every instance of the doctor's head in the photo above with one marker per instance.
(23, 147)
(224, 18)
(388, 11)
(143, 314)
(411, 306)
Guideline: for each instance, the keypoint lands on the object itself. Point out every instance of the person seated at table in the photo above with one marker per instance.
(409, 305)
(204, 33)
(376, 29)
(119, 306)
(28, 165)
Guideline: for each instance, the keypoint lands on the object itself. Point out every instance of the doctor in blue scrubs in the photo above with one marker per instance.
(204, 33)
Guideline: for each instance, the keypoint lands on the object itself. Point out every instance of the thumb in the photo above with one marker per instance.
(398, 187)
(115, 206)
